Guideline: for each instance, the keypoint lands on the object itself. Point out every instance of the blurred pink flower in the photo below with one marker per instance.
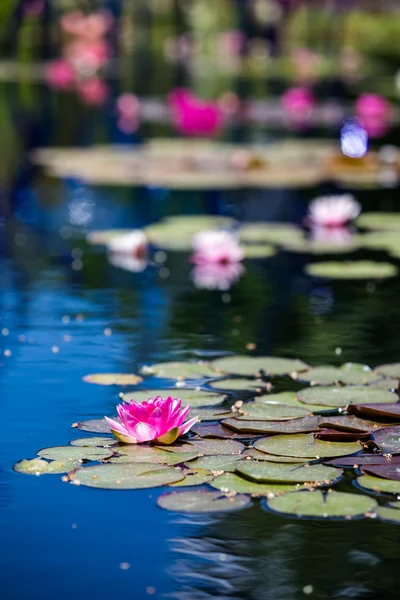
(87, 57)
(193, 116)
(298, 104)
(160, 419)
(93, 90)
(216, 276)
(216, 247)
(335, 236)
(333, 211)
(90, 27)
(60, 75)
(128, 108)
(133, 244)
(375, 113)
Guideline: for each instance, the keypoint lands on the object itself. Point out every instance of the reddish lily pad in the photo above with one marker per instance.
(363, 459)
(388, 439)
(388, 471)
(349, 423)
(202, 501)
(336, 435)
(382, 411)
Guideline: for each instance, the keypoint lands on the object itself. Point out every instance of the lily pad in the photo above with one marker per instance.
(270, 412)
(389, 370)
(209, 446)
(179, 370)
(259, 251)
(378, 485)
(363, 459)
(215, 463)
(238, 384)
(127, 476)
(349, 424)
(254, 365)
(383, 221)
(216, 430)
(94, 426)
(113, 379)
(257, 455)
(381, 411)
(388, 439)
(103, 237)
(194, 477)
(229, 482)
(94, 441)
(202, 501)
(338, 435)
(209, 414)
(193, 397)
(304, 445)
(275, 233)
(349, 374)
(385, 383)
(324, 505)
(135, 453)
(388, 471)
(303, 425)
(287, 473)
(385, 513)
(38, 466)
(361, 269)
(63, 453)
(339, 397)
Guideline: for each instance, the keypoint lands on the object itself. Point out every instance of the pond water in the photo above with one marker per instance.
(66, 312)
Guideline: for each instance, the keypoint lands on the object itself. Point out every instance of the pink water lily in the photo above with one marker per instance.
(156, 419)
(298, 104)
(194, 117)
(216, 247)
(333, 211)
(375, 113)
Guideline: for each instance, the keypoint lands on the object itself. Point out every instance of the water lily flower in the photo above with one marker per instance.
(60, 75)
(216, 247)
(86, 56)
(216, 276)
(298, 104)
(128, 109)
(333, 236)
(333, 211)
(375, 112)
(93, 90)
(133, 244)
(159, 419)
(194, 117)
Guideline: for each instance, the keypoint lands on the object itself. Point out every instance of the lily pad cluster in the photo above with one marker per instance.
(330, 449)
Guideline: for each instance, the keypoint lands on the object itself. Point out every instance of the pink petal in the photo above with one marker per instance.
(187, 426)
(116, 426)
(145, 432)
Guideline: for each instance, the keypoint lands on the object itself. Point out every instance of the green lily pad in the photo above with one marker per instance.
(209, 414)
(388, 439)
(302, 425)
(360, 269)
(94, 426)
(179, 370)
(305, 445)
(377, 220)
(127, 476)
(349, 374)
(257, 455)
(202, 501)
(193, 397)
(113, 379)
(238, 384)
(339, 397)
(385, 513)
(194, 477)
(207, 446)
(385, 384)
(74, 453)
(217, 430)
(259, 251)
(370, 483)
(176, 232)
(229, 482)
(215, 463)
(103, 237)
(135, 453)
(254, 365)
(254, 411)
(318, 504)
(93, 442)
(38, 466)
(273, 233)
(287, 473)
(390, 370)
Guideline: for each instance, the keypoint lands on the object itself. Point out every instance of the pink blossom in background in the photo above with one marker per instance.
(332, 211)
(194, 117)
(91, 27)
(93, 90)
(305, 62)
(73, 23)
(375, 113)
(216, 247)
(87, 57)
(60, 75)
(216, 276)
(132, 244)
(298, 104)
(161, 419)
(128, 109)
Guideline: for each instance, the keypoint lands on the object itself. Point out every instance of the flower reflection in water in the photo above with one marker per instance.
(217, 276)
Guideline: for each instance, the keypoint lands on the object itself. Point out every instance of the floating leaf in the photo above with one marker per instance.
(216, 430)
(127, 476)
(103, 237)
(215, 463)
(385, 513)
(254, 365)
(202, 501)
(38, 466)
(238, 384)
(304, 445)
(213, 447)
(209, 414)
(378, 485)
(94, 426)
(382, 411)
(385, 384)
(193, 397)
(389, 370)
(194, 477)
(94, 441)
(135, 453)
(363, 459)
(229, 482)
(113, 379)
(337, 435)
(349, 423)
(270, 412)
(339, 397)
(259, 251)
(74, 453)
(349, 373)
(388, 471)
(257, 455)
(179, 370)
(303, 425)
(318, 504)
(379, 220)
(275, 233)
(360, 269)
(388, 439)
(287, 473)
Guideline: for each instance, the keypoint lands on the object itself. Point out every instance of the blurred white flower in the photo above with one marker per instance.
(333, 211)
